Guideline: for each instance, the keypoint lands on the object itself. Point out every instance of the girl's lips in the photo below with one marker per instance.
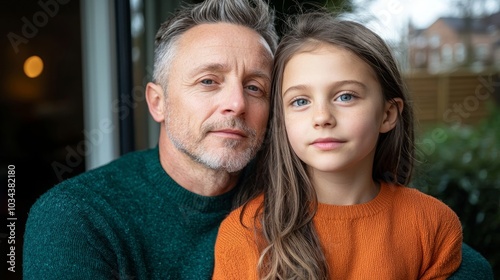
(327, 143)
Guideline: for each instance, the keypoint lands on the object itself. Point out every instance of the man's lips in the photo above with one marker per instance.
(327, 143)
(230, 133)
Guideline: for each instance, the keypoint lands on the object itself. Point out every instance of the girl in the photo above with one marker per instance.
(338, 155)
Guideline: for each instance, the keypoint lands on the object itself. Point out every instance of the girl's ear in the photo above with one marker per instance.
(392, 109)
(154, 98)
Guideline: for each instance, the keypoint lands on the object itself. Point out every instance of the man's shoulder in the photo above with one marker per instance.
(114, 178)
(120, 169)
(473, 266)
(127, 164)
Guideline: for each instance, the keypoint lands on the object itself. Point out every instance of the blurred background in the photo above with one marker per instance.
(73, 74)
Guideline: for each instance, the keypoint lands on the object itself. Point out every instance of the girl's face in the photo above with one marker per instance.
(334, 110)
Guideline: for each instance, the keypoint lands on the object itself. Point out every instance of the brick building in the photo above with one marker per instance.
(452, 43)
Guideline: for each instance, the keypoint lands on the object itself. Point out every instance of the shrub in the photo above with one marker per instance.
(460, 165)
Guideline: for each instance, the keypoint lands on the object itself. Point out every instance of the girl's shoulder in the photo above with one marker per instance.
(413, 196)
(413, 200)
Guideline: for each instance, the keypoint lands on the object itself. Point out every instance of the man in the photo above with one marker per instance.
(154, 214)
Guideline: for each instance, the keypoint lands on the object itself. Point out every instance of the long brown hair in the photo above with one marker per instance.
(292, 249)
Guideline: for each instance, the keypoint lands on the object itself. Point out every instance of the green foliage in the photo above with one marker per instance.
(461, 167)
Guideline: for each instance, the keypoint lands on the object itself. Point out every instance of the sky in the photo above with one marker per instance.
(392, 16)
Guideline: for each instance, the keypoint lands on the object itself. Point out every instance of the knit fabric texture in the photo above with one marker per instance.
(125, 220)
(400, 234)
(473, 267)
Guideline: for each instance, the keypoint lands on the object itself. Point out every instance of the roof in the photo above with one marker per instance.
(477, 25)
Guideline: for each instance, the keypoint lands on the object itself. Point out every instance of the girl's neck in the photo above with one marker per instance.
(335, 189)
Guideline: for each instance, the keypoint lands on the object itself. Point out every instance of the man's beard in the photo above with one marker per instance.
(227, 158)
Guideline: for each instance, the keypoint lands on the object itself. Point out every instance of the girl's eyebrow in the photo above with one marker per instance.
(294, 88)
(335, 84)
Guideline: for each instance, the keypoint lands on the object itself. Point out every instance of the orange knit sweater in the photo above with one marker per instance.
(400, 234)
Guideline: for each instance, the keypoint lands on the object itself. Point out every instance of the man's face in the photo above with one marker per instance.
(217, 100)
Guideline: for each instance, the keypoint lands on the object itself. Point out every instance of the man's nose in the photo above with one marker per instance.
(233, 101)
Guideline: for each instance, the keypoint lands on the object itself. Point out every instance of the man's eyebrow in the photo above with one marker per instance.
(212, 67)
(221, 68)
(261, 74)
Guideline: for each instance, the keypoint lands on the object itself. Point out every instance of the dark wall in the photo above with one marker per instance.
(41, 118)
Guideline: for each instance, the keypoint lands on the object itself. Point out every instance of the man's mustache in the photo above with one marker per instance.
(232, 123)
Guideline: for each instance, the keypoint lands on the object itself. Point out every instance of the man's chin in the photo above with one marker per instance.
(229, 162)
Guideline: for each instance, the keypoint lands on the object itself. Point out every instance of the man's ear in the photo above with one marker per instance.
(392, 109)
(155, 99)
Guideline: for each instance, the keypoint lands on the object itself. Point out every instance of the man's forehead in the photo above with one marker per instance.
(225, 35)
(223, 47)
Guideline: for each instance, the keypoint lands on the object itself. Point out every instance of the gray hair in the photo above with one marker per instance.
(254, 14)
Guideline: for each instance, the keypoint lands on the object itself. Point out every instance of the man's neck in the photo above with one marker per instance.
(193, 176)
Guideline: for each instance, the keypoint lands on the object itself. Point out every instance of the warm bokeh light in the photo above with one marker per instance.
(33, 66)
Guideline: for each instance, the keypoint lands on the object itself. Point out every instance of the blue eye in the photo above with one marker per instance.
(345, 97)
(300, 102)
(254, 88)
(207, 82)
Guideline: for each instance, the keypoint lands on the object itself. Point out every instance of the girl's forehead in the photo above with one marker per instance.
(320, 47)
(313, 46)
(328, 51)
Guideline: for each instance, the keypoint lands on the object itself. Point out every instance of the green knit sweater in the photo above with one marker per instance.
(125, 220)
(473, 267)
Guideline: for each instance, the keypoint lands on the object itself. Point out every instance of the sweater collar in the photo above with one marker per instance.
(347, 212)
(164, 185)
